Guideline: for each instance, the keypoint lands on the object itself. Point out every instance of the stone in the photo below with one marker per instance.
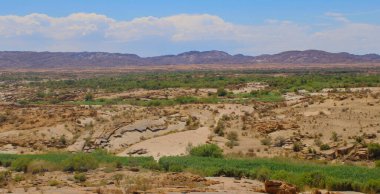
(344, 150)
(279, 187)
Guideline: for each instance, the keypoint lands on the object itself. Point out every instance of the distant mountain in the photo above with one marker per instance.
(315, 57)
(20, 59)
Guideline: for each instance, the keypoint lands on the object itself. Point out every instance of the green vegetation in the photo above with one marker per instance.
(206, 160)
(66, 161)
(48, 91)
(311, 82)
(262, 95)
(297, 146)
(374, 150)
(80, 163)
(302, 174)
(221, 92)
(207, 150)
(233, 138)
(324, 147)
(89, 97)
(80, 177)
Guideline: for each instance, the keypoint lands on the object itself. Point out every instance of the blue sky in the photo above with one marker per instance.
(154, 27)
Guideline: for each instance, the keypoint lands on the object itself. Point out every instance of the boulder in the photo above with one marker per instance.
(344, 150)
(279, 187)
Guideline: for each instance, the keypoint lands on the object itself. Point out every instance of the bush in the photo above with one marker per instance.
(297, 146)
(324, 147)
(279, 141)
(219, 129)
(334, 136)
(176, 168)
(266, 141)
(5, 177)
(80, 162)
(314, 179)
(40, 166)
(342, 185)
(263, 174)
(151, 165)
(18, 178)
(232, 136)
(221, 92)
(377, 164)
(374, 150)
(372, 186)
(80, 177)
(230, 172)
(21, 164)
(207, 150)
(231, 144)
(88, 97)
(53, 183)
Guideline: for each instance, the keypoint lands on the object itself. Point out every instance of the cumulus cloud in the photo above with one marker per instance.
(177, 33)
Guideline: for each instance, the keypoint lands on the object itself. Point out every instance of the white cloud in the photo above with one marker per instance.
(337, 16)
(173, 34)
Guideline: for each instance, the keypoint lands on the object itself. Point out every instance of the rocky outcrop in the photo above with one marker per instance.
(267, 127)
(279, 187)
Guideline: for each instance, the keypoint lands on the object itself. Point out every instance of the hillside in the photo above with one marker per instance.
(20, 59)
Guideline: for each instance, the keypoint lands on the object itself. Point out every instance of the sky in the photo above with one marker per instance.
(159, 27)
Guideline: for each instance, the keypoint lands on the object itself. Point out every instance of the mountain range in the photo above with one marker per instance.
(26, 59)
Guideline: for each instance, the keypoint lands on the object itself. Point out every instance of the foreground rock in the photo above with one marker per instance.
(278, 187)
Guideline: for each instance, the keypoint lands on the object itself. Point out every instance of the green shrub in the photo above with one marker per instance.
(280, 175)
(377, 164)
(372, 186)
(314, 179)
(88, 97)
(176, 168)
(21, 164)
(80, 162)
(230, 172)
(342, 185)
(53, 183)
(221, 92)
(297, 146)
(231, 143)
(334, 136)
(324, 147)
(207, 150)
(80, 177)
(40, 166)
(374, 150)
(18, 178)
(263, 174)
(232, 136)
(151, 165)
(220, 127)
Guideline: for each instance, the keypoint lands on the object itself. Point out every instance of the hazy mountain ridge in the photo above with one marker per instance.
(26, 59)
